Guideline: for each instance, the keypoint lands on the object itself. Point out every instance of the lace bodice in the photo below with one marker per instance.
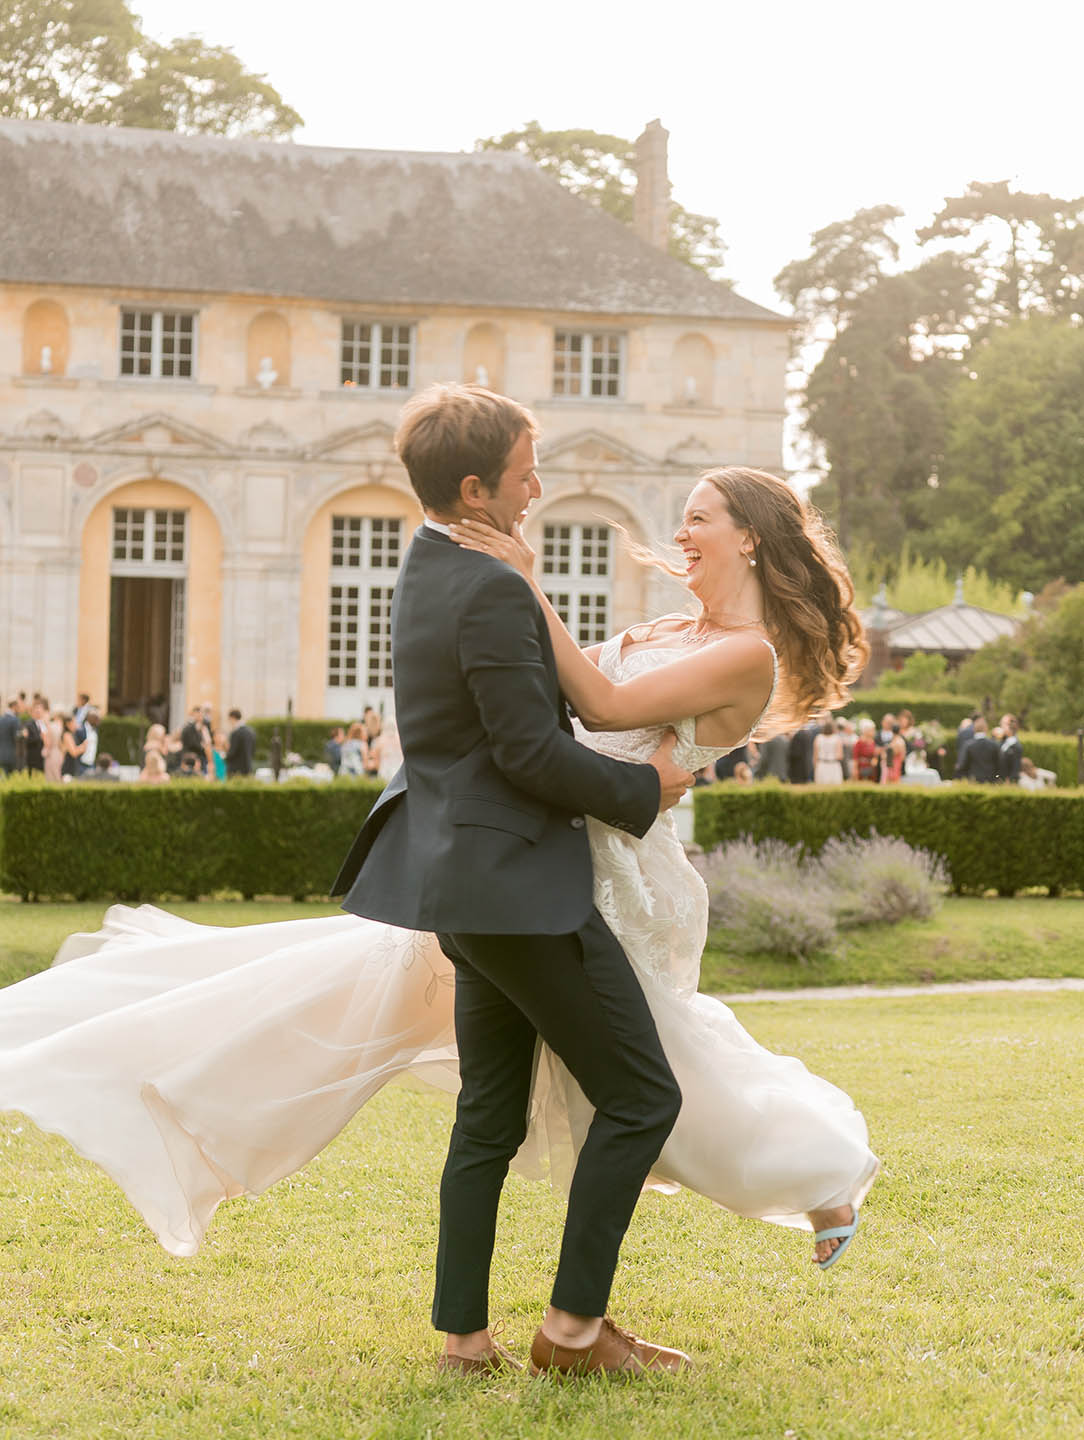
(641, 744)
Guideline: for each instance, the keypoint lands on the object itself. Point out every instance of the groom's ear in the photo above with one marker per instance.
(472, 493)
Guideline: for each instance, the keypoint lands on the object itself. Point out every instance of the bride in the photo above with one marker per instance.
(195, 1063)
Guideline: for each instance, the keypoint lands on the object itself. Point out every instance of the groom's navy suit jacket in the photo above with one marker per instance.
(482, 829)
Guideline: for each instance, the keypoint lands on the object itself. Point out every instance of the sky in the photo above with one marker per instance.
(783, 117)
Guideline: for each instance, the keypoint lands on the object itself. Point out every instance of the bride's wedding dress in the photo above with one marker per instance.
(194, 1063)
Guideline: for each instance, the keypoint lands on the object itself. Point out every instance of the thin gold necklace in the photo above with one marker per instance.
(694, 636)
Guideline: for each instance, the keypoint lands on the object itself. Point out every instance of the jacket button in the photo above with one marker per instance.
(577, 822)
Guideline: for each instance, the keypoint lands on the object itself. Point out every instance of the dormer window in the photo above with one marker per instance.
(376, 356)
(588, 364)
(158, 344)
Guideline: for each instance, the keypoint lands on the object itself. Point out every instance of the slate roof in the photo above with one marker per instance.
(950, 629)
(92, 205)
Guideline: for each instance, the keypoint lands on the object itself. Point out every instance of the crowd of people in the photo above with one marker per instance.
(63, 744)
(370, 746)
(830, 750)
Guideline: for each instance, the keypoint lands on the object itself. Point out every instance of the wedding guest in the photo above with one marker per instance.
(1034, 778)
(981, 756)
(54, 755)
(87, 738)
(82, 705)
(772, 761)
(9, 730)
(71, 750)
(917, 769)
(242, 747)
(848, 733)
(725, 765)
(1012, 752)
(800, 753)
(155, 741)
(373, 726)
(103, 769)
(154, 769)
(828, 755)
(893, 753)
(866, 755)
(195, 737)
(391, 751)
(743, 773)
(353, 751)
(964, 736)
(190, 766)
(218, 755)
(333, 748)
(35, 733)
(706, 776)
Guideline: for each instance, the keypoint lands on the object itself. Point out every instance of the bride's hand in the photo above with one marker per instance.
(512, 549)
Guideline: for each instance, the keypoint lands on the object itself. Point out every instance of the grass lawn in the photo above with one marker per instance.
(955, 1315)
(968, 939)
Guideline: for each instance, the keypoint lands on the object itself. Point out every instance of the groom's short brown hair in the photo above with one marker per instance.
(450, 431)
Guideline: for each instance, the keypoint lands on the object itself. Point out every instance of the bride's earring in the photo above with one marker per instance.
(751, 558)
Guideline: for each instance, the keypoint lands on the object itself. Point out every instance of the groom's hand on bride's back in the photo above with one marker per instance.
(673, 780)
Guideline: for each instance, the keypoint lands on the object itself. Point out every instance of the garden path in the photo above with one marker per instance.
(880, 992)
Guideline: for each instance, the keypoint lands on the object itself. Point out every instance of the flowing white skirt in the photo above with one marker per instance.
(194, 1063)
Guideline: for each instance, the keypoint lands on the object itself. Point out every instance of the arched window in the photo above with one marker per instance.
(45, 339)
(269, 350)
(483, 357)
(693, 371)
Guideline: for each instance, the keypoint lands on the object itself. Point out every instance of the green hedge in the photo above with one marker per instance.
(122, 736)
(990, 837)
(949, 709)
(144, 842)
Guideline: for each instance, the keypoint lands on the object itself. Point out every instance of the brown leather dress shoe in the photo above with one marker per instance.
(616, 1351)
(494, 1362)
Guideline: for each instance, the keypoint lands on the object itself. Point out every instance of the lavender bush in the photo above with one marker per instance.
(764, 899)
(879, 879)
(772, 897)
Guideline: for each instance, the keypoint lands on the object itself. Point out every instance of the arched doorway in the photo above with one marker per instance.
(150, 601)
(351, 555)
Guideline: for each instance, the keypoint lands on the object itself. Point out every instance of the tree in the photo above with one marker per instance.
(1008, 229)
(1037, 674)
(1009, 488)
(602, 168)
(876, 400)
(88, 61)
(845, 260)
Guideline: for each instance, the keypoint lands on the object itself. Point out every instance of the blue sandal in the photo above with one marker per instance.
(843, 1233)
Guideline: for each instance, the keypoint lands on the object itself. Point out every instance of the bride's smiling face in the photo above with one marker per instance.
(712, 544)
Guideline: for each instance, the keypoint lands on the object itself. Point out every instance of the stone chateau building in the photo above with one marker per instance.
(204, 345)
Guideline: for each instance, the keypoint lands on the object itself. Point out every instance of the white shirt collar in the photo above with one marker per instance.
(436, 525)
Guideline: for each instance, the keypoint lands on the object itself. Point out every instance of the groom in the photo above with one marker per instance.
(481, 838)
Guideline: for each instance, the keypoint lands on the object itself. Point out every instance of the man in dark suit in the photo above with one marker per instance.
(241, 748)
(196, 737)
(480, 837)
(1012, 752)
(981, 756)
(9, 731)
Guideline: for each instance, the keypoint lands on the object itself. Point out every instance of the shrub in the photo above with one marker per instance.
(989, 837)
(90, 841)
(122, 737)
(879, 879)
(949, 709)
(765, 901)
(770, 897)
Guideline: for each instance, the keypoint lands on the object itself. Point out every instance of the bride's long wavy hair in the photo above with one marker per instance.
(809, 609)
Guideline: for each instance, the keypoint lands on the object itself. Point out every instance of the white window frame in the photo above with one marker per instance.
(157, 318)
(147, 564)
(590, 342)
(581, 593)
(376, 340)
(358, 668)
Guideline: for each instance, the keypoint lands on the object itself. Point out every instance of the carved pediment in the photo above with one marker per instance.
(366, 443)
(691, 451)
(158, 431)
(593, 450)
(44, 425)
(268, 438)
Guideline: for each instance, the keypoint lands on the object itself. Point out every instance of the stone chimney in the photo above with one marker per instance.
(651, 208)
